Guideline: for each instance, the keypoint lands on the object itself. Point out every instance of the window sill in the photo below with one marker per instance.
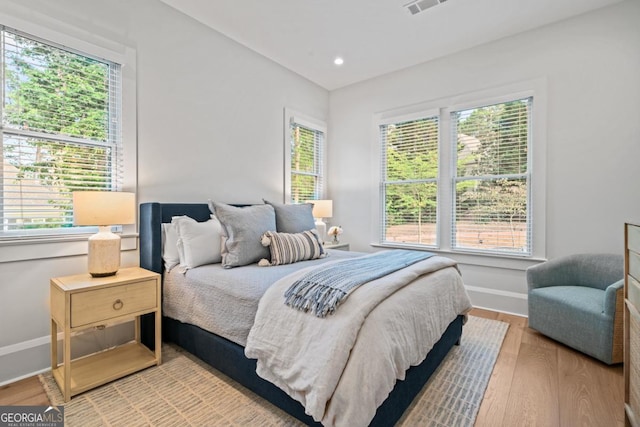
(54, 247)
(509, 262)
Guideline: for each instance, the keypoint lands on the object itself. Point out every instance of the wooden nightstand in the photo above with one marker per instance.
(82, 302)
(339, 246)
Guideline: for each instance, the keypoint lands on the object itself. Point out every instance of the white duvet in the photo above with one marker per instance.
(342, 367)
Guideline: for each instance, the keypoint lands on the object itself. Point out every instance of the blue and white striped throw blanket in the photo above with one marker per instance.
(324, 288)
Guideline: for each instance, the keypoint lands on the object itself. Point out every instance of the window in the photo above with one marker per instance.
(61, 132)
(492, 180)
(459, 179)
(410, 181)
(304, 158)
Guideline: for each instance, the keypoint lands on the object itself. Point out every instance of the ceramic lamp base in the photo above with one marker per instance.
(321, 227)
(104, 253)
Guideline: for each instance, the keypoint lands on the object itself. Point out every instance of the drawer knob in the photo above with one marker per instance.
(118, 304)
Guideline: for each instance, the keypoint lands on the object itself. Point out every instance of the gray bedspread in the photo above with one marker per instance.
(225, 301)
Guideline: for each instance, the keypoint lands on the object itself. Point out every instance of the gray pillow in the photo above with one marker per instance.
(243, 228)
(293, 218)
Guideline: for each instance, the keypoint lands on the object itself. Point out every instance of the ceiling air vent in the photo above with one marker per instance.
(422, 5)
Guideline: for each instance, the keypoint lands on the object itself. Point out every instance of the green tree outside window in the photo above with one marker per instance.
(60, 120)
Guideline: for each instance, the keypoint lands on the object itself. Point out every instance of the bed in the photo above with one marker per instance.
(229, 357)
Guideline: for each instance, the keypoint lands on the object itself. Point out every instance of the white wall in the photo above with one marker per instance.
(209, 125)
(591, 65)
(211, 113)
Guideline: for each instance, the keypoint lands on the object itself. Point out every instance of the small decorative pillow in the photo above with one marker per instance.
(287, 248)
(294, 218)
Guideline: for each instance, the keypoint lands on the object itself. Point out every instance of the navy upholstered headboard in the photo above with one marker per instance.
(152, 215)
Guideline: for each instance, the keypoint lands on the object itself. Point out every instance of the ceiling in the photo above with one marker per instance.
(374, 37)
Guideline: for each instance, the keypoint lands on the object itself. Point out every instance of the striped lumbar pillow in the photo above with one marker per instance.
(287, 248)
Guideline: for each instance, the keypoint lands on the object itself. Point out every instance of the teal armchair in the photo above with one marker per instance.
(578, 300)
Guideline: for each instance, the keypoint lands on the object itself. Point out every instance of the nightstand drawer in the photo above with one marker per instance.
(633, 237)
(106, 303)
(634, 265)
(633, 291)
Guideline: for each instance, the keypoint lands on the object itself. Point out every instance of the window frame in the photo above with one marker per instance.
(113, 140)
(383, 182)
(292, 116)
(58, 33)
(526, 175)
(536, 88)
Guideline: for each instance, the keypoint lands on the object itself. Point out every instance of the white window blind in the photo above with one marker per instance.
(306, 160)
(492, 209)
(409, 185)
(61, 132)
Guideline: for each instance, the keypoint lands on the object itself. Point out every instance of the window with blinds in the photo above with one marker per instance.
(409, 185)
(491, 209)
(306, 160)
(61, 132)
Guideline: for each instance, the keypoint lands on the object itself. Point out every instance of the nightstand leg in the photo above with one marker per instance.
(54, 345)
(67, 363)
(137, 329)
(158, 330)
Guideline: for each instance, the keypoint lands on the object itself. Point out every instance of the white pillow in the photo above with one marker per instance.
(199, 241)
(170, 253)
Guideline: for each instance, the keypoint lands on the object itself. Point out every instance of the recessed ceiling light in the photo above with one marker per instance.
(338, 61)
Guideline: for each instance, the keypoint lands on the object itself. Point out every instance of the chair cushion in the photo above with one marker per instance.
(580, 298)
(574, 316)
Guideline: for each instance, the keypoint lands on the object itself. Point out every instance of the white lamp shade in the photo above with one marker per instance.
(103, 208)
(322, 208)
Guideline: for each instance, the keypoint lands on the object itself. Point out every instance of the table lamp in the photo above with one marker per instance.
(104, 209)
(322, 209)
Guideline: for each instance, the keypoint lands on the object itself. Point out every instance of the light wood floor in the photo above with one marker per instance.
(536, 382)
(539, 382)
(26, 392)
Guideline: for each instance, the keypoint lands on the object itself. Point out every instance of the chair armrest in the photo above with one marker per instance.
(611, 295)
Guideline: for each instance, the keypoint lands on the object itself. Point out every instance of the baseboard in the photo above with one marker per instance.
(24, 359)
(32, 357)
(497, 300)
(22, 377)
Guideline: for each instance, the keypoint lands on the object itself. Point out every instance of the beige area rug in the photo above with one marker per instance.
(185, 391)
